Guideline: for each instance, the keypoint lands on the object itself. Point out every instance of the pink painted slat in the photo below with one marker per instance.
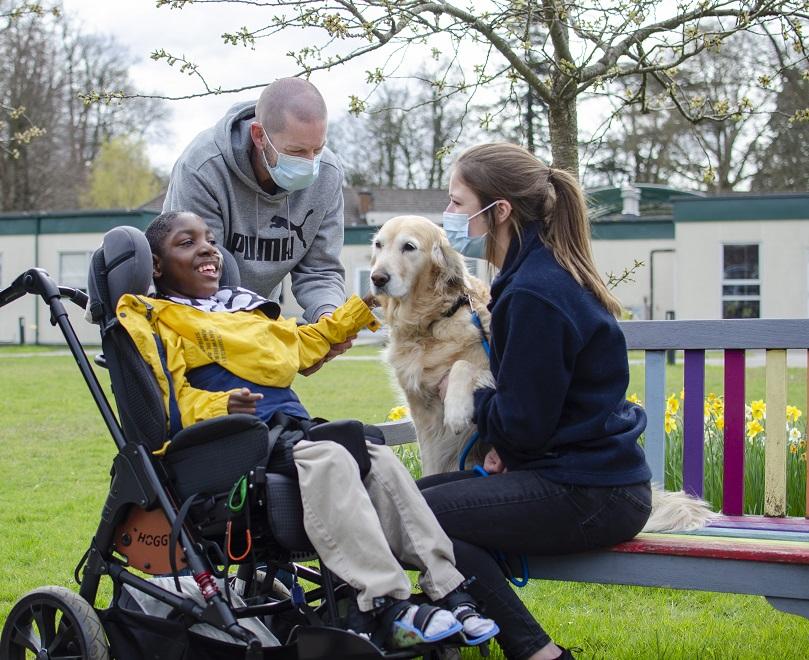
(807, 427)
(733, 486)
(693, 422)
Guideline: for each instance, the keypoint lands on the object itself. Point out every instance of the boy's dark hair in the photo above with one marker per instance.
(159, 228)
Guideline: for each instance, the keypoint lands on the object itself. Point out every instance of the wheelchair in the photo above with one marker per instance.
(169, 524)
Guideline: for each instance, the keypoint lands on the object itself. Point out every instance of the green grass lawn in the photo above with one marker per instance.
(55, 470)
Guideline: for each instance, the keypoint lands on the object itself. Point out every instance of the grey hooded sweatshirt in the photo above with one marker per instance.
(297, 232)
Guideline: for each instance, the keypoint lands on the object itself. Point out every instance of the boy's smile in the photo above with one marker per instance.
(189, 264)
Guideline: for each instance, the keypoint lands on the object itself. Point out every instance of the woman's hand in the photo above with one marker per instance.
(243, 401)
(493, 464)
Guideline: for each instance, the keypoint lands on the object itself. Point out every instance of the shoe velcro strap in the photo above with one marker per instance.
(423, 615)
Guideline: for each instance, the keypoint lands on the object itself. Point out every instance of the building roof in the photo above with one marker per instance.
(606, 202)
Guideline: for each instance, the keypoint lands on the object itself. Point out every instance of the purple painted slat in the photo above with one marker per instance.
(733, 486)
(761, 522)
(693, 422)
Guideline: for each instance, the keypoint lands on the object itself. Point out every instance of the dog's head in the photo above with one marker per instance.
(411, 254)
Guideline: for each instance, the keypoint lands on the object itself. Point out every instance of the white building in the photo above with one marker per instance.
(703, 257)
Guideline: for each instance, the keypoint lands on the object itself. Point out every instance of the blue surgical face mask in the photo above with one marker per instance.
(292, 172)
(456, 226)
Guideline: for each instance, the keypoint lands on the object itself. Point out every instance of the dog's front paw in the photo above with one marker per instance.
(458, 421)
(458, 409)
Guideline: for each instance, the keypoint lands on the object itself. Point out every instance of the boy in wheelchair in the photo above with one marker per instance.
(227, 351)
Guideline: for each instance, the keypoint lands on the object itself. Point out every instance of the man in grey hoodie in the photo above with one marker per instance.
(264, 181)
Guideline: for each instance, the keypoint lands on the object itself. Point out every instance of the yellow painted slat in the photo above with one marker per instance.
(775, 448)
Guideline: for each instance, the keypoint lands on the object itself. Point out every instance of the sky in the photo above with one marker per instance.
(195, 32)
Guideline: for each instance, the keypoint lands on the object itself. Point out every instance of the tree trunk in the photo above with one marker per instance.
(564, 130)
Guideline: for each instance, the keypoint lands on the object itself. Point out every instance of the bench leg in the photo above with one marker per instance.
(791, 605)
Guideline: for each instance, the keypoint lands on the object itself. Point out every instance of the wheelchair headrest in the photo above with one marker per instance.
(123, 264)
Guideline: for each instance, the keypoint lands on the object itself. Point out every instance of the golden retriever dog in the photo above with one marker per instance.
(427, 297)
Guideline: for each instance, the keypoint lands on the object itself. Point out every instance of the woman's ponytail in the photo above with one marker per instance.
(566, 231)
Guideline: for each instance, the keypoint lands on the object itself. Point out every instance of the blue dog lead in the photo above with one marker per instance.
(478, 469)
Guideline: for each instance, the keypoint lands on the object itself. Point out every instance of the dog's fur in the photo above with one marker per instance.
(418, 280)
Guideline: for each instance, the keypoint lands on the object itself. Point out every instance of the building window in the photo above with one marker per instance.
(73, 269)
(741, 282)
(362, 281)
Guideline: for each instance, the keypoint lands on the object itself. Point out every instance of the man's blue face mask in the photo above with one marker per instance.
(456, 226)
(292, 172)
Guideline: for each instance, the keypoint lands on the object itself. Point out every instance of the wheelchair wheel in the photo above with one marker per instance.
(53, 623)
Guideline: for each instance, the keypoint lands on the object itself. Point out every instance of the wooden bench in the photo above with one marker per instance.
(766, 555)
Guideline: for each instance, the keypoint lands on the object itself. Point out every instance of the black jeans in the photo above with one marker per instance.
(521, 512)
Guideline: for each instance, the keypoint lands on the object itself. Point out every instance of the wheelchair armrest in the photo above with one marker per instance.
(210, 456)
(212, 429)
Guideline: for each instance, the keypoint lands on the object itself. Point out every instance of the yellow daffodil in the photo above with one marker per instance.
(793, 413)
(633, 398)
(793, 449)
(754, 428)
(718, 406)
(668, 423)
(672, 404)
(720, 423)
(758, 409)
(397, 413)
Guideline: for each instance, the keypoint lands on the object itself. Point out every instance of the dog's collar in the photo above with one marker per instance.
(462, 300)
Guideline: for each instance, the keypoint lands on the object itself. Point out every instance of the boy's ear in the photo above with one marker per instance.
(156, 272)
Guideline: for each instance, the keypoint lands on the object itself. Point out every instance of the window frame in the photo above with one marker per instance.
(723, 282)
(88, 254)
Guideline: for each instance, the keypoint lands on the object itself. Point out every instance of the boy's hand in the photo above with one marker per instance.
(370, 300)
(493, 464)
(243, 401)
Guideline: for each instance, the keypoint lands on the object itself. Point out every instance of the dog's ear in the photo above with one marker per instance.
(448, 263)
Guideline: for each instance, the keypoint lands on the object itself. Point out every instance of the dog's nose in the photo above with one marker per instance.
(380, 279)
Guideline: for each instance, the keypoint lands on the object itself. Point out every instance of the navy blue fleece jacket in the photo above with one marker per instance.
(560, 366)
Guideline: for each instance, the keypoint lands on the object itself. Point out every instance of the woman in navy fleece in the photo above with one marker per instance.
(565, 472)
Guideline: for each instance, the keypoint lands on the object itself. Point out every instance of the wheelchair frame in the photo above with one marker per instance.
(136, 482)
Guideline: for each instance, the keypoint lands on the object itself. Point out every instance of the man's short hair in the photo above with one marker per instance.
(295, 96)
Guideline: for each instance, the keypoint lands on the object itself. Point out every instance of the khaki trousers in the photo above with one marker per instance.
(362, 528)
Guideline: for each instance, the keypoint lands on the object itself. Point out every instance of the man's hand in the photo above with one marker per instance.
(243, 401)
(493, 464)
(334, 351)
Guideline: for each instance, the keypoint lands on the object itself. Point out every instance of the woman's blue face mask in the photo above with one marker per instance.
(292, 172)
(456, 226)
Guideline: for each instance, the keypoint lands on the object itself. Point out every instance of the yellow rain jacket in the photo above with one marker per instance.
(247, 343)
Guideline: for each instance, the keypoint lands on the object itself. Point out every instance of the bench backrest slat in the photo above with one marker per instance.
(775, 448)
(730, 333)
(806, 435)
(655, 403)
(693, 422)
(733, 486)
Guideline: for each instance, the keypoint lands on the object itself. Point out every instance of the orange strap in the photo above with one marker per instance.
(247, 537)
